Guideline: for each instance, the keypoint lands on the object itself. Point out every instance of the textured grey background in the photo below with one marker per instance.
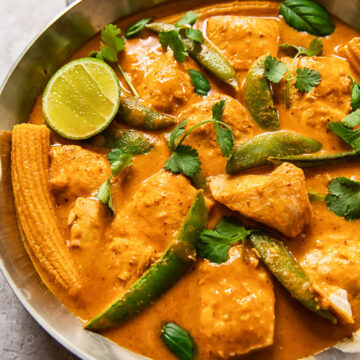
(21, 338)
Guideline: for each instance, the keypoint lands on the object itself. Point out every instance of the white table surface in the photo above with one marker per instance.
(21, 338)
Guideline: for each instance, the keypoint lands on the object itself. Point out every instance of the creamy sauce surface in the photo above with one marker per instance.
(101, 265)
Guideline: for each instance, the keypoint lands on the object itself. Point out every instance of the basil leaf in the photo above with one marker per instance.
(179, 341)
(201, 84)
(306, 15)
(136, 28)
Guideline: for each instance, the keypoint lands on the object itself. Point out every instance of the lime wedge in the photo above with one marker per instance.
(81, 99)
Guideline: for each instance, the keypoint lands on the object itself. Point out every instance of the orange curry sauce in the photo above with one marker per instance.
(102, 263)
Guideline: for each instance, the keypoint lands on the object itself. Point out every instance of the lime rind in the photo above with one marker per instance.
(94, 121)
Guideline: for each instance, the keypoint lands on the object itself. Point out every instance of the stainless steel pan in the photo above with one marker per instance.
(25, 81)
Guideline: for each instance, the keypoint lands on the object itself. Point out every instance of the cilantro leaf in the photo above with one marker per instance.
(104, 194)
(225, 139)
(172, 39)
(224, 136)
(184, 159)
(355, 95)
(214, 244)
(136, 28)
(179, 341)
(190, 18)
(176, 133)
(306, 79)
(194, 35)
(119, 160)
(343, 198)
(274, 69)
(200, 83)
(350, 136)
(112, 43)
(352, 119)
(344, 129)
(315, 48)
(218, 110)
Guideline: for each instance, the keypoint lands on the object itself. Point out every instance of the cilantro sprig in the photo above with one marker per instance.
(185, 159)
(183, 28)
(112, 43)
(343, 198)
(345, 129)
(214, 244)
(123, 148)
(119, 160)
(305, 79)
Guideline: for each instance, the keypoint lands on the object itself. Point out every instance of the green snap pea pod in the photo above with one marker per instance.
(304, 161)
(257, 151)
(134, 113)
(205, 54)
(258, 97)
(286, 269)
(198, 180)
(315, 196)
(129, 141)
(176, 261)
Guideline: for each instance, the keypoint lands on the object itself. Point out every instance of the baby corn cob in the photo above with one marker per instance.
(35, 210)
(351, 51)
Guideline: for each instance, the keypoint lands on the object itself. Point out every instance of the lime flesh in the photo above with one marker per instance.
(81, 99)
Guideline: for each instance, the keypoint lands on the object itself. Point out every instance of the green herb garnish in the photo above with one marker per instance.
(344, 198)
(185, 159)
(355, 94)
(345, 131)
(119, 160)
(214, 244)
(200, 83)
(104, 194)
(190, 18)
(274, 69)
(179, 341)
(305, 79)
(136, 28)
(111, 44)
(306, 15)
(173, 40)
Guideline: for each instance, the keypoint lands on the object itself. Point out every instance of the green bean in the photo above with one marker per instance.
(205, 54)
(288, 272)
(176, 261)
(258, 97)
(304, 161)
(134, 113)
(257, 151)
